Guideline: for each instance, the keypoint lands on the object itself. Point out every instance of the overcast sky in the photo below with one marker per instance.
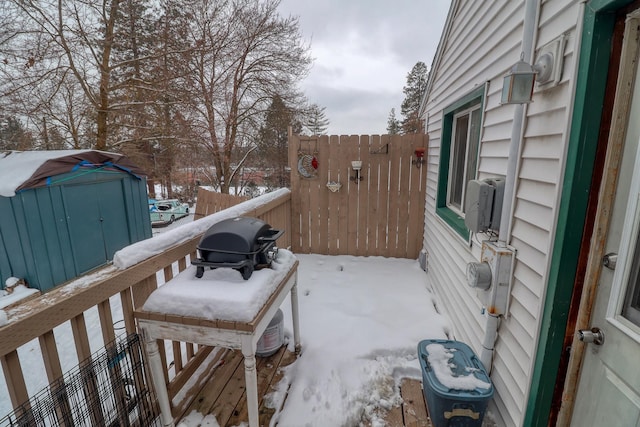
(363, 50)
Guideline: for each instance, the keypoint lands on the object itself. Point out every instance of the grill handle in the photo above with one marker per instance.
(271, 238)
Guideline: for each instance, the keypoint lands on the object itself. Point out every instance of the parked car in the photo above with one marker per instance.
(164, 212)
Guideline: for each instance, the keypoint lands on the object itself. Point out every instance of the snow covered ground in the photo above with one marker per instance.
(361, 320)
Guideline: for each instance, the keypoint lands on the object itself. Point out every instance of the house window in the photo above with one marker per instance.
(462, 122)
(463, 162)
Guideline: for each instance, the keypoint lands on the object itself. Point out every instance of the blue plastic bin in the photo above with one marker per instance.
(451, 407)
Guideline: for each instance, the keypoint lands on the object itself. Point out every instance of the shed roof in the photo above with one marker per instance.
(21, 170)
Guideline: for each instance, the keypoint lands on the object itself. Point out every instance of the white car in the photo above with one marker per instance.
(164, 212)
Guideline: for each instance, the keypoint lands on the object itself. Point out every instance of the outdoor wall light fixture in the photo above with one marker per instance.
(419, 160)
(356, 165)
(517, 87)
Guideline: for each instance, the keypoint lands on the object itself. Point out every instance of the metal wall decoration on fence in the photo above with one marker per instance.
(308, 161)
(368, 198)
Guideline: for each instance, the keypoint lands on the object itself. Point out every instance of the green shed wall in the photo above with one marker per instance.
(53, 234)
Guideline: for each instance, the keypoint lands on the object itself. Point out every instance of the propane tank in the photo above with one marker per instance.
(273, 337)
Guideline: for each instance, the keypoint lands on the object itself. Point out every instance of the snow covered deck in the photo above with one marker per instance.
(360, 326)
(361, 319)
(223, 397)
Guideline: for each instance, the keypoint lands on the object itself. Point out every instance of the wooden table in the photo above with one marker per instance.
(229, 334)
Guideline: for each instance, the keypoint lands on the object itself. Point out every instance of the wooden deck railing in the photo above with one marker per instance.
(130, 287)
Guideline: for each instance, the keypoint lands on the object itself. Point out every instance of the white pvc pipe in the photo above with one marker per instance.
(529, 32)
(509, 182)
(486, 355)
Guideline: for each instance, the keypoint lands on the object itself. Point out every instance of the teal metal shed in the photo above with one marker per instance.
(66, 212)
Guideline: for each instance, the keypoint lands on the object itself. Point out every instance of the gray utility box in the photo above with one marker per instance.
(483, 204)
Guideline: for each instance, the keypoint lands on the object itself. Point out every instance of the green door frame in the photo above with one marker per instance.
(599, 19)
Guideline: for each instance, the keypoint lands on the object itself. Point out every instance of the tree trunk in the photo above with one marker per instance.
(105, 75)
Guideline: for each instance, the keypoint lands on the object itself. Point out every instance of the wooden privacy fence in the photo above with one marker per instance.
(380, 215)
(210, 202)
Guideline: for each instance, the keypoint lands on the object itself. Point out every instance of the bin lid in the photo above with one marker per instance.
(453, 370)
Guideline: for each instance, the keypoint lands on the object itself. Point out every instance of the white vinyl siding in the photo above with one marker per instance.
(483, 42)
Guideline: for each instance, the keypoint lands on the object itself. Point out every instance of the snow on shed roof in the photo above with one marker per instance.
(20, 170)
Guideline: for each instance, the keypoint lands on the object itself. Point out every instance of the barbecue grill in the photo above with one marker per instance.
(241, 243)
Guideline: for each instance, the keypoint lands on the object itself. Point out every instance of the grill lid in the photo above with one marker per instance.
(235, 235)
(242, 243)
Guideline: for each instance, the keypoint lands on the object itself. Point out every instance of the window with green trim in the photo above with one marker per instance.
(460, 142)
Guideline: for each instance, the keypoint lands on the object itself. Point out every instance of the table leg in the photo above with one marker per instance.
(251, 379)
(295, 314)
(157, 373)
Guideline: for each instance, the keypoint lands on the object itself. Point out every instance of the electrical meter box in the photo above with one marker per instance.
(483, 204)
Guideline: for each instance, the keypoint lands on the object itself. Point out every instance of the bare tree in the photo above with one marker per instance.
(245, 54)
(58, 40)
(148, 78)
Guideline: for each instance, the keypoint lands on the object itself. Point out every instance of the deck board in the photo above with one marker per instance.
(414, 409)
(212, 390)
(412, 412)
(224, 394)
(267, 368)
(266, 413)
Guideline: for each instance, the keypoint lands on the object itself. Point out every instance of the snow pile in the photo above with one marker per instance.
(15, 292)
(196, 419)
(221, 293)
(438, 357)
(360, 322)
(137, 252)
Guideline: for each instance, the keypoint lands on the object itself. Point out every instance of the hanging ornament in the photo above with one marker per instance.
(305, 165)
(308, 163)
